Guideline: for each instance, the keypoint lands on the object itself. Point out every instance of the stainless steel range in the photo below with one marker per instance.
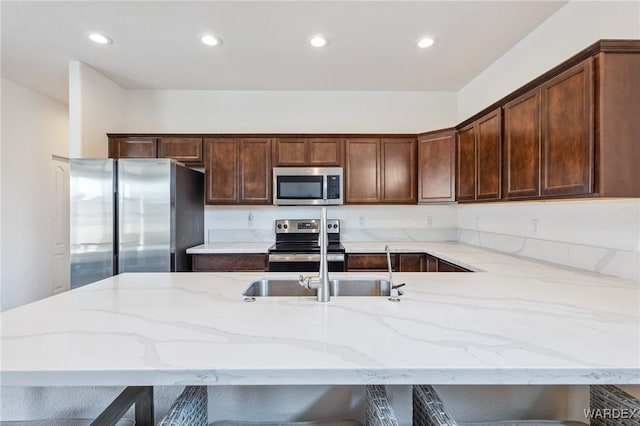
(296, 248)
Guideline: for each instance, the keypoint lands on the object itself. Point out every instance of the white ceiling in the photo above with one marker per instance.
(372, 43)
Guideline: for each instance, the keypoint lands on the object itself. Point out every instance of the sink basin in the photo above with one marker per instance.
(337, 287)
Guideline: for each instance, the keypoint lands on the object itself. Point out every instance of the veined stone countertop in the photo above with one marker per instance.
(519, 322)
(231, 248)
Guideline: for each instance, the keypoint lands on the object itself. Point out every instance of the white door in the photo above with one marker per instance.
(60, 221)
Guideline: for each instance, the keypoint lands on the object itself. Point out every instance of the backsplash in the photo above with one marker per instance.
(358, 223)
(595, 235)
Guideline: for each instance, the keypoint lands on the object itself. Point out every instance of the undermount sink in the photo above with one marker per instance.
(279, 287)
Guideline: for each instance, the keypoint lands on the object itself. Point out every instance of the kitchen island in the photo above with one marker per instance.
(514, 321)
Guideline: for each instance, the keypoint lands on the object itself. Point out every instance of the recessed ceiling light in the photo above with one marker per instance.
(318, 41)
(425, 42)
(99, 38)
(210, 40)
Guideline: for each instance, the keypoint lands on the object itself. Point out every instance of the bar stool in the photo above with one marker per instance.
(190, 409)
(141, 397)
(429, 410)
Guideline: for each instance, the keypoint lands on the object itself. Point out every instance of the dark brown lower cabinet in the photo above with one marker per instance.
(230, 262)
(432, 263)
(370, 262)
(412, 262)
(400, 262)
(405, 262)
(444, 266)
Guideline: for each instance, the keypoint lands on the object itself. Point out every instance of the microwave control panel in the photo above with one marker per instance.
(333, 187)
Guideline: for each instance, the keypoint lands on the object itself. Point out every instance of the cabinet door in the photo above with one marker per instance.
(489, 156)
(362, 181)
(308, 152)
(567, 132)
(414, 262)
(522, 146)
(132, 147)
(467, 163)
(444, 266)
(221, 171)
(432, 263)
(370, 262)
(186, 150)
(324, 152)
(398, 170)
(290, 152)
(436, 167)
(254, 171)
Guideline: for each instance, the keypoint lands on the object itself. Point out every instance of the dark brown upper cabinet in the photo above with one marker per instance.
(238, 171)
(437, 166)
(380, 170)
(315, 152)
(572, 132)
(185, 150)
(479, 159)
(521, 168)
(467, 164)
(567, 132)
(548, 138)
(398, 176)
(362, 170)
(132, 147)
(617, 125)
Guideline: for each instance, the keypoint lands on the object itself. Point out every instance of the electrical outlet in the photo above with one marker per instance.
(535, 226)
(361, 220)
(429, 221)
(250, 222)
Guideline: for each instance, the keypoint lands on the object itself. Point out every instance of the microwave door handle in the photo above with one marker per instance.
(324, 186)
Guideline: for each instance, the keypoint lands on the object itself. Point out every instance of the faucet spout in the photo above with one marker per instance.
(321, 281)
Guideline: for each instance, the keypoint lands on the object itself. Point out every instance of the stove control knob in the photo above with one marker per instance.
(279, 226)
(286, 226)
(335, 226)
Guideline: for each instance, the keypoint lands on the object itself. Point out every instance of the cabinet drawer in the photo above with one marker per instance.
(230, 262)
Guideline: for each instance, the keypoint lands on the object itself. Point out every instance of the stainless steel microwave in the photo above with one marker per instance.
(300, 186)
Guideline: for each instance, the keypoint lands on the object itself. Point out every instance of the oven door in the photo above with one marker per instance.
(301, 262)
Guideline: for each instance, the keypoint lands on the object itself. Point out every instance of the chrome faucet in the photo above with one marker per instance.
(394, 290)
(320, 282)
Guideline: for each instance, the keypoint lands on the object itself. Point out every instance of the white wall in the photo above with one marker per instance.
(96, 106)
(34, 127)
(288, 111)
(575, 26)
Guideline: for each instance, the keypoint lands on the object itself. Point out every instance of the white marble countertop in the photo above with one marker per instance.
(350, 247)
(519, 322)
(231, 248)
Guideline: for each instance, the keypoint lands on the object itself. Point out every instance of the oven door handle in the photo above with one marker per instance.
(295, 257)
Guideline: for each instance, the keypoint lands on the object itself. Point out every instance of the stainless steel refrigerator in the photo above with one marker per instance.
(133, 215)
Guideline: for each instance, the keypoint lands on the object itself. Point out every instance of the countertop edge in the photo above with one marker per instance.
(235, 377)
